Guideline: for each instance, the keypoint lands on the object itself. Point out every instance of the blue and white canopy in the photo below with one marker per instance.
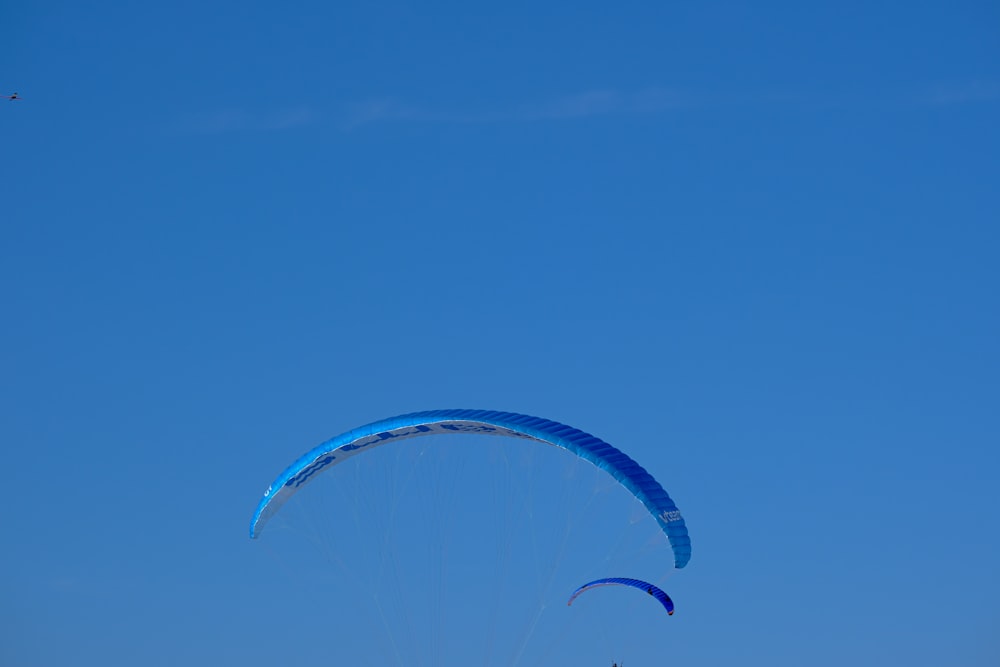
(487, 422)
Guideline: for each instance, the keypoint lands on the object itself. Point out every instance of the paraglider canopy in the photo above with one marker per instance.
(650, 589)
(625, 470)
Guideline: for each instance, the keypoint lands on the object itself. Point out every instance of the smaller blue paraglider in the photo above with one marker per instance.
(650, 589)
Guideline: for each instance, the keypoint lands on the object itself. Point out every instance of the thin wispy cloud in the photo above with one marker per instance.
(603, 103)
(65, 584)
(582, 105)
(241, 120)
(587, 104)
(965, 93)
(374, 111)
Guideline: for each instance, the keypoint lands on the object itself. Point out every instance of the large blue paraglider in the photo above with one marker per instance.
(657, 593)
(436, 422)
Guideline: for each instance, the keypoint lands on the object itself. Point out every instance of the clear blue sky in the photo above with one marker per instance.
(754, 245)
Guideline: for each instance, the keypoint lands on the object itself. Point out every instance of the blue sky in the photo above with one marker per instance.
(753, 246)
